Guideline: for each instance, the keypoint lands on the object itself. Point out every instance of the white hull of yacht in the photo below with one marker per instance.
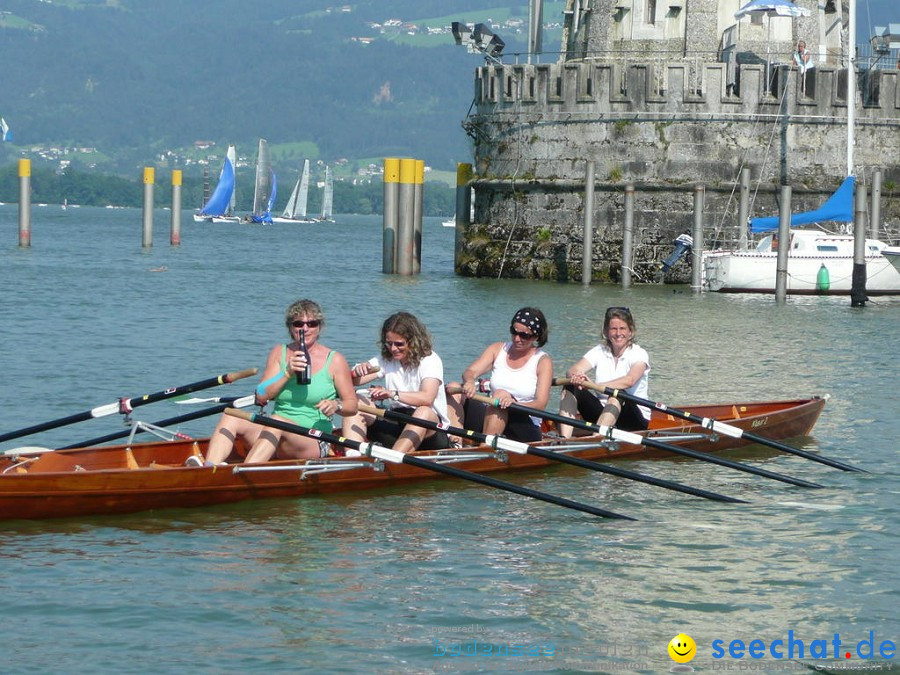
(754, 271)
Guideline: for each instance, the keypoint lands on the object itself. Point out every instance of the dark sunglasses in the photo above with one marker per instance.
(610, 310)
(312, 323)
(399, 344)
(522, 334)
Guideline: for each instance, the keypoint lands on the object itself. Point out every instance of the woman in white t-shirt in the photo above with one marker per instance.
(413, 380)
(618, 363)
(520, 372)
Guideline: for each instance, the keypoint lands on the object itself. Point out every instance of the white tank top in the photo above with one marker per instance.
(521, 383)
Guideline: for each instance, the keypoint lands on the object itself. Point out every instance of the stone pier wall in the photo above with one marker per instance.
(664, 128)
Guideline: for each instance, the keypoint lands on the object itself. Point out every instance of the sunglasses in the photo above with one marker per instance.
(399, 344)
(521, 334)
(312, 323)
(610, 310)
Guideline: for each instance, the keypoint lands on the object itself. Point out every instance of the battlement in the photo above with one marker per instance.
(683, 90)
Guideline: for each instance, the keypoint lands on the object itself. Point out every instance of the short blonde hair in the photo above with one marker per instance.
(303, 306)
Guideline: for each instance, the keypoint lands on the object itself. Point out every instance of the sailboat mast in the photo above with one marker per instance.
(851, 86)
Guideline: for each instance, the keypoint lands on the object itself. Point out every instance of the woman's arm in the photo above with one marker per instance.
(578, 372)
(629, 379)
(274, 377)
(428, 391)
(347, 402)
(544, 381)
(479, 366)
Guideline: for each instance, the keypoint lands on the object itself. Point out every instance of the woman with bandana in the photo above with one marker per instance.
(520, 372)
(618, 363)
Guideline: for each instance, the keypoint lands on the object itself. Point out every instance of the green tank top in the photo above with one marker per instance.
(297, 402)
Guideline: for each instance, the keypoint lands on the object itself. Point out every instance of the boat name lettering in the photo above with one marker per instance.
(760, 423)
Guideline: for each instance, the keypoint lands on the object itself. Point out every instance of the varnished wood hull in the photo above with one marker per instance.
(116, 479)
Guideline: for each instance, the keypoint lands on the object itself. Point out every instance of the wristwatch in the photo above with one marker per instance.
(396, 395)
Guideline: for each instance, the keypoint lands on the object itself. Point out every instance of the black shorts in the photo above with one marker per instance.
(386, 432)
(519, 425)
(590, 407)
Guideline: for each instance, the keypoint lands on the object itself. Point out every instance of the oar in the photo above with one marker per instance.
(397, 457)
(509, 445)
(227, 401)
(714, 425)
(636, 439)
(125, 405)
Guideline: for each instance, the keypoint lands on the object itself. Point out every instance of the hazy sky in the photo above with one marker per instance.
(871, 13)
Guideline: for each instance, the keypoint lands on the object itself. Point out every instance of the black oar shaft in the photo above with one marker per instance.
(392, 455)
(668, 447)
(169, 421)
(560, 457)
(127, 404)
(729, 429)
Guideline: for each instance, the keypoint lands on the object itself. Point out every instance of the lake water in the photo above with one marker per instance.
(407, 580)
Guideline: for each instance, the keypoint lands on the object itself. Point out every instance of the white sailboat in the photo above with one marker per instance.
(817, 262)
(265, 188)
(295, 210)
(327, 198)
(220, 206)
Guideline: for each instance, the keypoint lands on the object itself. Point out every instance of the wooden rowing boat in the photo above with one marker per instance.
(143, 476)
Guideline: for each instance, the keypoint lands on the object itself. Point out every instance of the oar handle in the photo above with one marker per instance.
(239, 375)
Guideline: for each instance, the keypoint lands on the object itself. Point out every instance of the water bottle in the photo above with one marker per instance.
(303, 375)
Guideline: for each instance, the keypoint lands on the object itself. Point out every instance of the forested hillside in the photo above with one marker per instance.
(134, 79)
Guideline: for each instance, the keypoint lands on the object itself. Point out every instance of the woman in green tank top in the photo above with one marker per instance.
(330, 392)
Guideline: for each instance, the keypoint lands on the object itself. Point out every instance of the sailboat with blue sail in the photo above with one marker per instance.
(265, 188)
(220, 206)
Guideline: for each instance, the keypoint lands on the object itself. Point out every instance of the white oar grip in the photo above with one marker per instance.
(624, 436)
(104, 410)
(379, 452)
(722, 428)
(506, 444)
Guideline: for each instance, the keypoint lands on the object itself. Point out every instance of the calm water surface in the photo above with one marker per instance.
(390, 580)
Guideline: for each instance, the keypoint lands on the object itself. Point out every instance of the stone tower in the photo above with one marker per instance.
(664, 95)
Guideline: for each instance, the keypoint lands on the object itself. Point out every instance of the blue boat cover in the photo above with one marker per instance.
(838, 207)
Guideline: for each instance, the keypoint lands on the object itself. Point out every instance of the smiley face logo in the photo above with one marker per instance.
(682, 648)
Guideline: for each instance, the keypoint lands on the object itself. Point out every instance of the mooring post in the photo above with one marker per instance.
(782, 244)
(389, 231)
(744, 209)
(406, 203)
(24, 203)
(463, 209)
(587, 254)
(858, 281)
(147, 230)
(419, 196)
(175, 237)
(875, 219)
(697, 248)
(628, 237)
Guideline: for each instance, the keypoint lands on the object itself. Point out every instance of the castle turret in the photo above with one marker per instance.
(664, 94)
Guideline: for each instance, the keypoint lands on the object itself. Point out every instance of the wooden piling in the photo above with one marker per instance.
(784, 245)
(628, 237)
(697, 249)
(175, 237)
(147, 229)
(858, 281)
(587, 255)
(24, 203)
(389, 231)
